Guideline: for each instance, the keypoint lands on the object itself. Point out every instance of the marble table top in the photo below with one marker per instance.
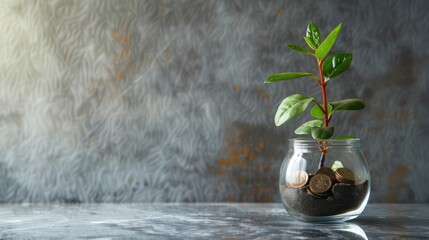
(203, 221)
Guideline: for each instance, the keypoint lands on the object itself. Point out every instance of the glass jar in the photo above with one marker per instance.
(324, 181)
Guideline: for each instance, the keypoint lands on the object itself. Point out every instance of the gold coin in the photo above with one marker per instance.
(298, 180)
(345, 175)
(320, 184)
(327, 171)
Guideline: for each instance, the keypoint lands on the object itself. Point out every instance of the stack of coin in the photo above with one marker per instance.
(328, 172)
(298, 180)
(320, 185)
(345, 175)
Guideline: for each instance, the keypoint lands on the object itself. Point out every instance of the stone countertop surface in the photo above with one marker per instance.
(203, 221)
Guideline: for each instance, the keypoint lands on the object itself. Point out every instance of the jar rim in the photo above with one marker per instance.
(332, 142)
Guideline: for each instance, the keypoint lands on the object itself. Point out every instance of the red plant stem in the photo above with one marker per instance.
(323, 86)
(325, 110)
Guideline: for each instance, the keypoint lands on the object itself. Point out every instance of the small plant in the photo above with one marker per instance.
(328, 68)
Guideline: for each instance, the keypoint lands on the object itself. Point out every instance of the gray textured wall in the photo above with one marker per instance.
(164, 100)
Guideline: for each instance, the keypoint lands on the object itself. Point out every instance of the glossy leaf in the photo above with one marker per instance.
(291, 107)
(313, 35)
(286, 76)
(344, 137)
(306, 127)
(322, 132)
(317, 112)
(310, 43)
(336, 64)
(299, 49)
(327, 44)
(347, 104)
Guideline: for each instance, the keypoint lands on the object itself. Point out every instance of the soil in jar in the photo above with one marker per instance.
(325, 193)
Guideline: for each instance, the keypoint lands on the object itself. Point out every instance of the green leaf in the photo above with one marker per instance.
(291, 107)
(327, 44)
(300, 49)
(344, 137)
(287, 76)
(336, 64)
(313, 35)
(322, 132)
(347, 104)
(310, 43)
(336, 165)
(306, 127)
(317, 112)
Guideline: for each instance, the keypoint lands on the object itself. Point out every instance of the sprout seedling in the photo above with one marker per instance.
(329, 67)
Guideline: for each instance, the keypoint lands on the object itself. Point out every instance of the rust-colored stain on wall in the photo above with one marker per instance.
(262, 93)
(123, 61)
(396, 183)
(245, 162)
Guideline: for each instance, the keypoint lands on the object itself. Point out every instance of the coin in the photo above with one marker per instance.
(327, 171)
(320, 184)
(299, 179)
(313, 194)
(345, 175)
